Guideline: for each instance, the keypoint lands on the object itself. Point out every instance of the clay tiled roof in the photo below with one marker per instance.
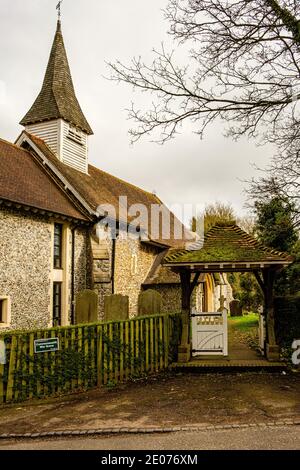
(161, 274)
(24, 181)
(98, 187)
(57, 98)
(228, 243)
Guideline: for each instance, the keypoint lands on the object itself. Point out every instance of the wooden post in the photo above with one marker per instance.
(272, 349)
(184, 351)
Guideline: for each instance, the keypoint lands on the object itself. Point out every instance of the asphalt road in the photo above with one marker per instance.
(277, 438)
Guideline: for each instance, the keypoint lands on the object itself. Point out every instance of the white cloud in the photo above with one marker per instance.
(3, 93)
(186, 170)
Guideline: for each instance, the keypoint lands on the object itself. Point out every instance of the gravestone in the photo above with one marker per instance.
(116, 307)
(150, 303)
(86, 307)
(235, 308)
(222, 307)
(2, 352)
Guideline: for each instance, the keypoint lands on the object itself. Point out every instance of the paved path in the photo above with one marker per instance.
(239, 349)
(281, 438)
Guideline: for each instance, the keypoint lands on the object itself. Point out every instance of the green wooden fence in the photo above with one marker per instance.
(88, 356)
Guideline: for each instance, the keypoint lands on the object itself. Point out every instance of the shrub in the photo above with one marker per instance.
(287, 320)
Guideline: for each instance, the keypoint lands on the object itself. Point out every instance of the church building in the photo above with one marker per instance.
(50, 248)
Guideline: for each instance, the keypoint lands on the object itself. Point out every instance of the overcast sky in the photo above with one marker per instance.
(186, 170)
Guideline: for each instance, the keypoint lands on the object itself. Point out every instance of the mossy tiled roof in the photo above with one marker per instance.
(227, 243)
(57, 98)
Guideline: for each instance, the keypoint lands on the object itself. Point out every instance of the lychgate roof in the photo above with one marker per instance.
(57, 98)
(227, 244)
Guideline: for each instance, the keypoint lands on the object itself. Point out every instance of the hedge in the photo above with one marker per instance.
(287, 320)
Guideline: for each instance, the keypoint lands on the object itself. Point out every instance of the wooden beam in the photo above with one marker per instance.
(260, 282)
(269, 278)
(194, 282)
(184, 350)
(185, 277)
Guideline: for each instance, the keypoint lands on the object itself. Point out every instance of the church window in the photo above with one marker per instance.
(57, 288)
(58, 239)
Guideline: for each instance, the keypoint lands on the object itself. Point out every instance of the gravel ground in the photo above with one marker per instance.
(168, 401)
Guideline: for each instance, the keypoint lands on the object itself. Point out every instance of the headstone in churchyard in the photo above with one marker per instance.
(222, 300)
(2, 352)
(86, 307)
(235, 308)
(116, 307)
(150, 302)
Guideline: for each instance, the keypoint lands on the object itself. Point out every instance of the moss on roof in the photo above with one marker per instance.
(227, 243)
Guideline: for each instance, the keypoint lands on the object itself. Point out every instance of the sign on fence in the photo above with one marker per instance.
(2, 352)
(90, 355)
(46, 345)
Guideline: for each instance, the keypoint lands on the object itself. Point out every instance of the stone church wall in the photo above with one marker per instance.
(133, 261)
(171, 297)
(26, 264)
(83, 261)
(26, 260)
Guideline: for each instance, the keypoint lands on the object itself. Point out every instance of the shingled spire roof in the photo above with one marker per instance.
(57, 97)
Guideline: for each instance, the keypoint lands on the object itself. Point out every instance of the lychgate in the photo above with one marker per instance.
(209, 333)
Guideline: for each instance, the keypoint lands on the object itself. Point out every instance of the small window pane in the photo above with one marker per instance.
(57, 304)
(4, 310)
(58, 246)
(2, 315)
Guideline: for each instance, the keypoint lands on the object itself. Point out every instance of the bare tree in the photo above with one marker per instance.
(247, 223)
(214, 213)
(243, 68)
(282, 182)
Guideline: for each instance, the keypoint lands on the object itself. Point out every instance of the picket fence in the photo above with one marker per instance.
(89, 355)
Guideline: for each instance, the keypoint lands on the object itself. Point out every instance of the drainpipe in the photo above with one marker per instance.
(113, 260)
(73, 278)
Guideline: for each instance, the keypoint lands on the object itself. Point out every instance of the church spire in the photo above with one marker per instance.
(57, 98)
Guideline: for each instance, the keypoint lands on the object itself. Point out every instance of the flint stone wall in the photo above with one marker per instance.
(25, 247)
(26, 260)
(127, 280)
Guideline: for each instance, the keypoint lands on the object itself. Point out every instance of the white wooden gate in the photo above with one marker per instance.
(209, 333)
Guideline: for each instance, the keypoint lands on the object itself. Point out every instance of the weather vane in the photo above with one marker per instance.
(58, 8)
